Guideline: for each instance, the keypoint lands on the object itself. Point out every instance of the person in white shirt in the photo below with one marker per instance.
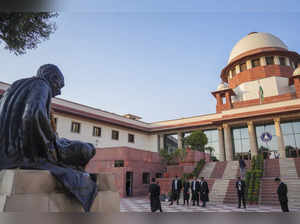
(176, 189)
(241, 189)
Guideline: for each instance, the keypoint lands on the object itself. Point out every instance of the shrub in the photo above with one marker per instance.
(198, 168)
(253, 178)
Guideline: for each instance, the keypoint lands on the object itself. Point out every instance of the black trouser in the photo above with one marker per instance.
(284, 206)
(195, 197)
(241, 196)
(186, 198)
(175, 196)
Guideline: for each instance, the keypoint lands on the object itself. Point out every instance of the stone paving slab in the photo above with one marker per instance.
(143, 205)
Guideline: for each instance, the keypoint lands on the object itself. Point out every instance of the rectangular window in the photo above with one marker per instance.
(243, 67)
(270, 60)
(131, 138)
(119, 163)
(75, 127)
(146, 178)
(255, 63)
(282, 61)
(115, 135)
(97, 131)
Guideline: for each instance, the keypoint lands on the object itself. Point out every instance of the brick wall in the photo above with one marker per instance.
(136, 161)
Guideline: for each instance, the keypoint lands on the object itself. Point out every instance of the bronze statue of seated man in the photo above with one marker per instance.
(28, 141)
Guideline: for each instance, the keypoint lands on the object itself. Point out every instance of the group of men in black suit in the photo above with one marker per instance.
(199, 190)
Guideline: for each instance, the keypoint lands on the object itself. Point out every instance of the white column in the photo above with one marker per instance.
(276, 60)
(228, 142)
(280, 140)
(161, 141)
(287, 61)
(179, 140)
(263, 61)
(252, 138)
(221, 144)
(248, 63)
(230, 74)
(237, 69)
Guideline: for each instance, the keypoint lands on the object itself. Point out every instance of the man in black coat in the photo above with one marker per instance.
(176, 189)
(195, 187)
(154, 193)
(282, 195)
(186, 192)
(241, 189)
(204, 190)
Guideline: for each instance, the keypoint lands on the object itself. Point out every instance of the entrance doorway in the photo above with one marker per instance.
(129, 183)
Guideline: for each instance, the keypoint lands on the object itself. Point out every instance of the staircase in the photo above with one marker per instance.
(293, 186)
(219, 170)
(268, 195)
(297, 165)
(231, 194)
(272, 168)
(231, 170)
(207, 170)
(288, 168)
(218, 191)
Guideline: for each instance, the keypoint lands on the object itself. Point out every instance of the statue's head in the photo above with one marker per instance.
(53, 75)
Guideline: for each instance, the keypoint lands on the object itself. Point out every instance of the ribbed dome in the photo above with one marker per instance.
(254, 41)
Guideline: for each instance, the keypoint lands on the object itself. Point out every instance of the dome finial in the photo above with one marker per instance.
(252, 33)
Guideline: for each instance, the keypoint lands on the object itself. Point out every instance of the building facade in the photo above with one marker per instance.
(257, 108)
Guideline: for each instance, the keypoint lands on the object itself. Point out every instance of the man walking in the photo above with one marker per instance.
(154, 193)
(186, 192)
(241, 188)
(282, 191)
(176, 189)
(204, 192)
(195, 187)
(242, 167)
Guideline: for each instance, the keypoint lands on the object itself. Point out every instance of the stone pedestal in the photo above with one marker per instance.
(38, 191)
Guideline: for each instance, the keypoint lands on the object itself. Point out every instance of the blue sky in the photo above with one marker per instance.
(159, 63)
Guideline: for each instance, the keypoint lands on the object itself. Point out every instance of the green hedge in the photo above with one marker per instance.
(253, 177)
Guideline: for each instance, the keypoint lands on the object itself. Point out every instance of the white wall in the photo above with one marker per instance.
(272, 86)
(142, 141)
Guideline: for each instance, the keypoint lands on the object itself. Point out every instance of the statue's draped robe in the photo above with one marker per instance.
(27, 139)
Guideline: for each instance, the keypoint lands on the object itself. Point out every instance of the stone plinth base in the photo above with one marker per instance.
(38, 191)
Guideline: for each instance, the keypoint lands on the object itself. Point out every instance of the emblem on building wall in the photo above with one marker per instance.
(266, 137)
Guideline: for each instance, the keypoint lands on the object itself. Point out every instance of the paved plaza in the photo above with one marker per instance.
(142, 204)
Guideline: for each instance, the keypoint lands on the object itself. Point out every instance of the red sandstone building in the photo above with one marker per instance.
(257, 107)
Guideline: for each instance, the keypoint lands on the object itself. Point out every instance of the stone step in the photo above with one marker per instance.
(231, 170)
(218, 191)
(287, 168)
(208, 169)
(219, 169)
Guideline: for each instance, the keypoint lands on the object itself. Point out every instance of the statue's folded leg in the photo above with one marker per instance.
(74, 153)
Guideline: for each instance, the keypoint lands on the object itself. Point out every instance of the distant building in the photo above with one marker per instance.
(259, 95)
